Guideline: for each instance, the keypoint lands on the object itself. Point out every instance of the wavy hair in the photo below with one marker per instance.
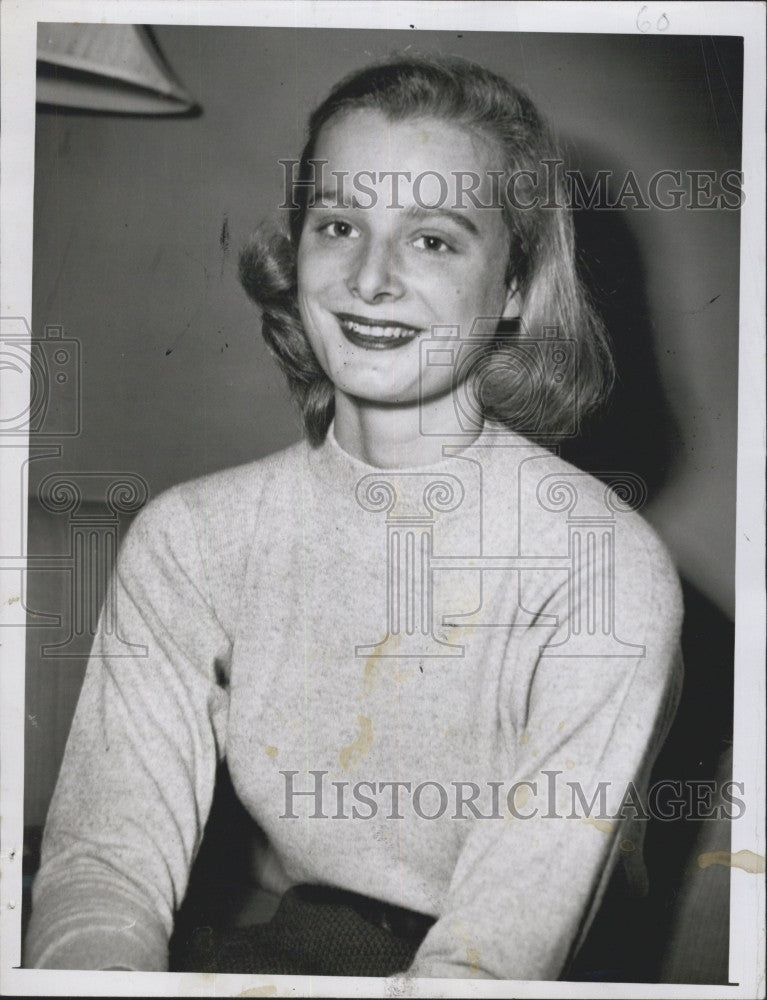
(530, 397)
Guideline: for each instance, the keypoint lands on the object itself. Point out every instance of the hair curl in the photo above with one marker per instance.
(541, 254)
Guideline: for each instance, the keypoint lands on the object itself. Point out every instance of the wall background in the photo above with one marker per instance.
(138, 222)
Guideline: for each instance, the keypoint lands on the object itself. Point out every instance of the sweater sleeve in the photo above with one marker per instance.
(136, 782)
(525, 888)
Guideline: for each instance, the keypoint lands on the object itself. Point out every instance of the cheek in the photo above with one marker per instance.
(318, 282)
(311, 286)
(468, 301)
(306, 274)
(492, 291)
(479, 290)
(311, 265)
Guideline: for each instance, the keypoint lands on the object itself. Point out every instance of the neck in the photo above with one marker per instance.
(399, 436)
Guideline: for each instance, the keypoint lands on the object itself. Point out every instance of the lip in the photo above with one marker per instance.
(352, 327)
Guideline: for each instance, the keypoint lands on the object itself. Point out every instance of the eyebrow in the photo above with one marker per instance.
(417, 212)
(460, 218)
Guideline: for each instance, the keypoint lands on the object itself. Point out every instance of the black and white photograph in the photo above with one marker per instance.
(382, 537)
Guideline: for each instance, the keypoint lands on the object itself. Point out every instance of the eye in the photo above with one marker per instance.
(338, 229)
(435, 244)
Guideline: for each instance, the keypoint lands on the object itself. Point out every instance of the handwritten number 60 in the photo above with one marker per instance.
(644, 24)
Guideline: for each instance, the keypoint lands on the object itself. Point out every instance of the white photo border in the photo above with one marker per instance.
(19, 29)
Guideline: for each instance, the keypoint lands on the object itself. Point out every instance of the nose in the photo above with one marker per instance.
(374, 274)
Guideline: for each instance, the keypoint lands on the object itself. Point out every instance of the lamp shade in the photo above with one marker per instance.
(106, 67)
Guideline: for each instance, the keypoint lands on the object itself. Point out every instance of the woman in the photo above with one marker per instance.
(434, 655)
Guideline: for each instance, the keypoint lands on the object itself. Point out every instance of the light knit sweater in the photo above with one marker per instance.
(259, 602)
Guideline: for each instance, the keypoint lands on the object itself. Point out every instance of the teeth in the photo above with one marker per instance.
(389, 332)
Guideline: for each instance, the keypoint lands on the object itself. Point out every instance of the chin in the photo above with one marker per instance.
(366, 395)
(366, 391)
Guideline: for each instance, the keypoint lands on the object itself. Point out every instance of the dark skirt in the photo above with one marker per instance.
(316, 931)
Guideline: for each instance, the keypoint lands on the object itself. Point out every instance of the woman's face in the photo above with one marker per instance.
(377, 270)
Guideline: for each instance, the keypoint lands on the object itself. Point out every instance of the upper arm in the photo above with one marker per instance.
(137, 777)
(583, 731)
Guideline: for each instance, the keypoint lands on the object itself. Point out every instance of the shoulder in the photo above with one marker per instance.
(226, 499)
(555, 501)
(208, 522)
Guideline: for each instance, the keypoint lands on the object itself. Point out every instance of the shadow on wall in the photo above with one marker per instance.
(679, 933)
(635, 431)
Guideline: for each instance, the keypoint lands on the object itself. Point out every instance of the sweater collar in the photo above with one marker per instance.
(341, 471)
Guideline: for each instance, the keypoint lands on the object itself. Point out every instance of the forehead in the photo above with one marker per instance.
(368, 144)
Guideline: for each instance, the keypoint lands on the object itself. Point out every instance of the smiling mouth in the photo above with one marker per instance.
(378, 335)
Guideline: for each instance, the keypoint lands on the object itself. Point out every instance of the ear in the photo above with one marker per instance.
(512, 308)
